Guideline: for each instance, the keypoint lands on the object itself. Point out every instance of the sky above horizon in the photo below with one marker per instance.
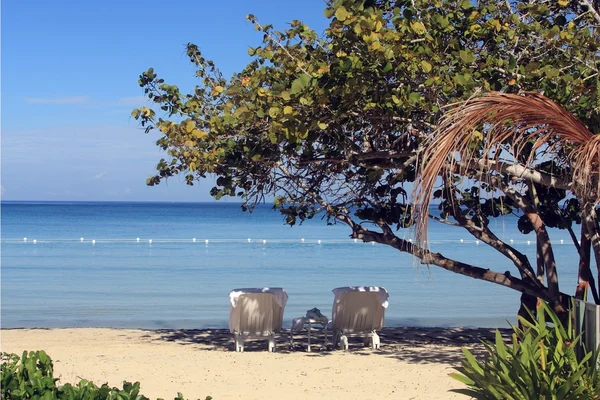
(69, 83)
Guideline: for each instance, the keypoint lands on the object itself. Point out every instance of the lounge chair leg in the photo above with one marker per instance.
(375, 340)
(344, 342)
(334, 340)
(367, 341)
(239, 344)
(271, 344)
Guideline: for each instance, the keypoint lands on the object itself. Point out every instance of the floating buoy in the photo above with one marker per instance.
(206, 241)
(355, 240)
(561, 241)
(410, 240)
(264, 241)
(461, 240)
(477, 242)
(249, 240)
(194, 240)
(137, 239)
(511, 240)
(34, 241)
(24, 239)
(302, 240)
(528, 242)
(318, 242)
(93, 241)
(372, 243)
(81, 239)
(150, 241)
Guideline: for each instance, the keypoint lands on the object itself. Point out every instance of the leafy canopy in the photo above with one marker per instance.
(337, 119)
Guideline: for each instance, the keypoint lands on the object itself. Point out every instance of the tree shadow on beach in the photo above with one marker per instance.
(414, 345)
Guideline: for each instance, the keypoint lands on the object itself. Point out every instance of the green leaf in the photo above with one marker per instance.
(300, 83)
(239, 111)
(274, 112)
(467, 56)
(285, 94)
(426, 66)
(417, 27)
(460, 79)
(461, 378)
(341, 13)
(189, 126)
(472, 361)
(500, 346)
(466, 5)
(273, 138)
(415, 97)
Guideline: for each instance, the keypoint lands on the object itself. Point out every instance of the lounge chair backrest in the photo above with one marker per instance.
(358, 312)
(256, 314)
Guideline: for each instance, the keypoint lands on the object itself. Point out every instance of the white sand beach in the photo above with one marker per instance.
(413, 363)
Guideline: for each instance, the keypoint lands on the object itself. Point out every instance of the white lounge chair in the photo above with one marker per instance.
(256, 313)
(358, 310)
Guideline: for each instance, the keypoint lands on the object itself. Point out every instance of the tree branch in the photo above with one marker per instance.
(372, 155)
(428, 257)
(590, 8)
(541, 236)
(522, 172)
(484, 234)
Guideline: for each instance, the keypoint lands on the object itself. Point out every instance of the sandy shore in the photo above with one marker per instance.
(413, 363)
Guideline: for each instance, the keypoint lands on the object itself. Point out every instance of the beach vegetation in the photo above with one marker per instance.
(349, 123)
(31, 376)
(541, 362)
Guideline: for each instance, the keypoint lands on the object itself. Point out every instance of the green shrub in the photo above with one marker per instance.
(31, 377)
(541, 363)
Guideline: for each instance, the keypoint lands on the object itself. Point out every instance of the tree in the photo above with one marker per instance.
(557, 155)
(339, 122)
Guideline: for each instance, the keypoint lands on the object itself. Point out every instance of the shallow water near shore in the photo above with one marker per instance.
(200, 251)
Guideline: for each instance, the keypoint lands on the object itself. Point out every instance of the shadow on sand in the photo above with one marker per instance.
(415, 345)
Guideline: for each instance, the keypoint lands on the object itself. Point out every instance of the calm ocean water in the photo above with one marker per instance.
(176, 282)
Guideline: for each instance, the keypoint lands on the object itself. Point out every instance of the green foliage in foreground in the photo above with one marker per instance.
(541, 363)
(31, 377)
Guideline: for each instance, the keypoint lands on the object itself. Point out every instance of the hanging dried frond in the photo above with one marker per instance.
(476, 133)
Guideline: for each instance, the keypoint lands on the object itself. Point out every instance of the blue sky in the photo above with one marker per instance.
(69, 83)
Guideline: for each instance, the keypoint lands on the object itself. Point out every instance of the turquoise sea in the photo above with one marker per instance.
(200, 251)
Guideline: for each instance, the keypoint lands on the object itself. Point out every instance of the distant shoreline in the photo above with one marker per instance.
(80, 202)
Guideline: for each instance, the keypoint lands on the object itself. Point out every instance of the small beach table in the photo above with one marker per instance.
(309, 325)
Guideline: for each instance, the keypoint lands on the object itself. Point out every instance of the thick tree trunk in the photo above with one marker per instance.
(539, 258)
(584, 272)
(527, 309)
(591, 225)
(546, 252)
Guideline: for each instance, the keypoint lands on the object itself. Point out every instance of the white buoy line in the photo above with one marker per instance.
(261, 241)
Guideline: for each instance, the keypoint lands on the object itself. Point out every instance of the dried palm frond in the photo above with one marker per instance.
(481, 129)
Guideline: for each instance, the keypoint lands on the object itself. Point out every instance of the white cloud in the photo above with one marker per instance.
(134, 101)
(86, 101)
(100, 175)
(58, 100)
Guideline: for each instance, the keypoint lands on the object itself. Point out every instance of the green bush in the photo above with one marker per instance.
(541, 363)
(31, 377)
